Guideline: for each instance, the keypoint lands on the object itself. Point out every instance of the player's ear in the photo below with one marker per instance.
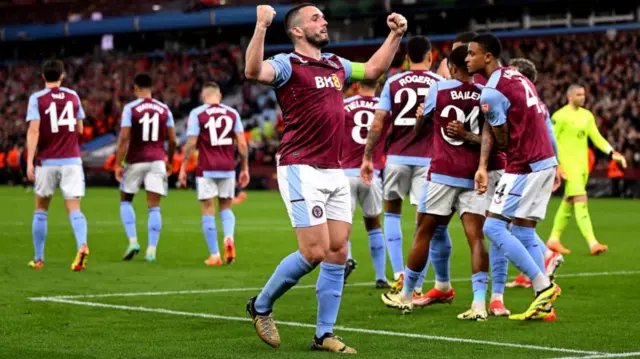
(296, 31)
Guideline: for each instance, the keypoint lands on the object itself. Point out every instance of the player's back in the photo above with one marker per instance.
(359, 114)
(215, 126)
(403, 93)
(57, 109)
(455, 101)
(309, 92)
(148, 119)
(529, 147)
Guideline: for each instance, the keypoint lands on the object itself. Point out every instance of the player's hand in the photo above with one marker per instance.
(31, 173)
(562, 173)
(244, 178)
(119, 171)
(366, 172)
(420, 111)
(618, 157)
(557, 181)
(182, 177)
(397, 23)
(481, 180)
(169, 167)
(455, 129)
(265, 15)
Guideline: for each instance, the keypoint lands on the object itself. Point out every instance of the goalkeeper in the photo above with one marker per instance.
(572, 125)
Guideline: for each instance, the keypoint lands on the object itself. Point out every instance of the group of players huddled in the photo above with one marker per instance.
(474, 139)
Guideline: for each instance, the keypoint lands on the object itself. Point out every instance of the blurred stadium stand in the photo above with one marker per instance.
(184, 43)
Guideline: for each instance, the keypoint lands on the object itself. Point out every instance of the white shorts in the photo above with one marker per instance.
(313, 195)
(209, 188)
(400, 180)
(524, 195)
(70, 179)
(442, 200)
(154, 175)
(494, 178)
(369, 197)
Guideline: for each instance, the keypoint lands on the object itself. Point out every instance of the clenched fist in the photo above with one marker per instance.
(265, 15)
(397, 23)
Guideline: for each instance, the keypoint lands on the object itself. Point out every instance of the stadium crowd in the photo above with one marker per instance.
(608, 64)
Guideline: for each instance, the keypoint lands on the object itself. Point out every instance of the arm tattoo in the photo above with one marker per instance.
(486, 146)
(502, 137)
(374, 134)
(472, 137)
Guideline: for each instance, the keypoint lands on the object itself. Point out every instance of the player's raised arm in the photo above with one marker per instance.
(381, 60)
(255, 66)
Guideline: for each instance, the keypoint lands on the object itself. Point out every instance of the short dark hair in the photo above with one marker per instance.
(52, 70)
(417, 47)
(525, 67)
(457, 57)
(465, 37)
(490, 43)
(369, 83)
(143, 81)
(288, 17)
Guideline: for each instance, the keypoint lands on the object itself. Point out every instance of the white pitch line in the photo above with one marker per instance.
(603, 355)
(252, 289)
(304, 325)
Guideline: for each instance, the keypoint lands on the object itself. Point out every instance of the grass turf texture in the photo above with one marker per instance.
(595, 313)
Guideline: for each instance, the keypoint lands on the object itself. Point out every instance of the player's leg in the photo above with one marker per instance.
(573, 187)
(72, 186)
(397, 183)
(583, 219)
(331, 277)
(299, 187)
(129, 186)
(356, 190)
(155, 183)
(418, 175)
(207, 190)
(370, 198)
(44, 187)
(226, 189)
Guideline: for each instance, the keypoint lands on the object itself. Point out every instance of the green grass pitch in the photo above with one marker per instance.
(597, 313)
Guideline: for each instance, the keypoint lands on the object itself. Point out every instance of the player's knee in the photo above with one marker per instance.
(313, 254)
(493, 227)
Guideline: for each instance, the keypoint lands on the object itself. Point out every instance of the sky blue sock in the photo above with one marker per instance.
(440, 253)
(79, 225)
(480, 281)
(499, 268)
(541, 244)
(210, 233)
(517, 254)
(376, 249)
(393, 234)
(349, 256)
(128, 217)
(228, 222)
(286, 275)
(39, 232)
(422, 275)
(527, 237)
(410, 280)
(154, 226)
(329, 293)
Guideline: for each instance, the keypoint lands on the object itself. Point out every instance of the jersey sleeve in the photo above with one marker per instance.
(193, 125)
(282, 67)
(126, 117)
(170, 122)
(33, 113)
(494, 106)
(552, 136)
(81, 115)
(431, 99)
(238, 127)
(596, 137)
(385, 99)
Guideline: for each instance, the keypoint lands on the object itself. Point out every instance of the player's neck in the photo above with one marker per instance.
(212, 103)
(143, 95)
(419, 67)
(51, 85)
(467, 79)
(490, 68)
(367, 93)
(308, 50)
(574, 107)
